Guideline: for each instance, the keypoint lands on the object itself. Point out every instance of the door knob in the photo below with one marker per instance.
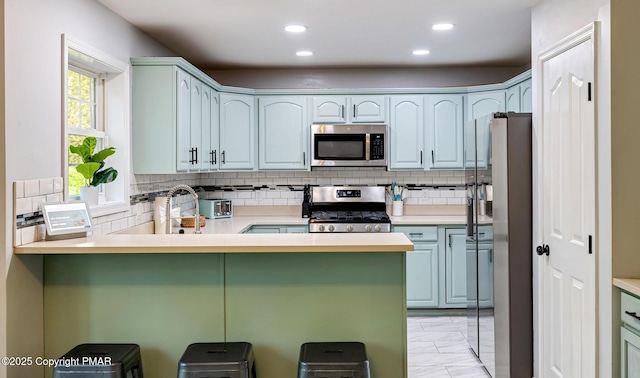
(543, 250)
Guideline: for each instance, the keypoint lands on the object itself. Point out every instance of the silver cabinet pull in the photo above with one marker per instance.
(342, 111)
(354, 111)
(416, 233)
(223, 162)
(450, 240)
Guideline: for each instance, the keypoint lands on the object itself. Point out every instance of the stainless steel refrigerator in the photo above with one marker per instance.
(499, 243)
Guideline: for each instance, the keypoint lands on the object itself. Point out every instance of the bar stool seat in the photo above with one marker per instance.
(100, 361)
(333, 359)
(217, 360)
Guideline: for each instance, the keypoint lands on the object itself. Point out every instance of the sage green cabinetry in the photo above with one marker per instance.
(277, 229)
(519, 97)
(237, 132)
(406, 132)
(630, 336)
(422, 266)
(173, 114)
(352, 109)
(483, 103)
(455, 260)
(445, 128)
(283, 133)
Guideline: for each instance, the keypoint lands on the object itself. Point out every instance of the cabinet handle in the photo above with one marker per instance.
(450, 240)
(213, 157)
(481, 235)
(304, 158)
(354, 111)
(223, 157)
(342, 111)
(633, 314)
(191, 159)
(491, 255)
(196, 155)
(420, 157)
(416, 233)
(432, 158)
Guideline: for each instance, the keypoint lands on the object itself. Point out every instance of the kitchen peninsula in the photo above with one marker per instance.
(275, 291)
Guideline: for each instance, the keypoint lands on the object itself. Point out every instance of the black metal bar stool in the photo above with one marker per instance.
(333, 359)
(217, 360)
(100, 361)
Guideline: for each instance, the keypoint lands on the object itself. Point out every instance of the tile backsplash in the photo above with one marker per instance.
(264, 188)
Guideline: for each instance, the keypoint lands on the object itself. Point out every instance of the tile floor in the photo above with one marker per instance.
(437, 347)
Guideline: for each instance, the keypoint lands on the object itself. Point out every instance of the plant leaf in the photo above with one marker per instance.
(90, 143)
(103, 177)
(87, 169)
(100, 156)
(81, 150)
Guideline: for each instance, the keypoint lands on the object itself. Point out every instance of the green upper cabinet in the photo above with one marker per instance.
(406, 132)
(282, 133)
(483, 103)
(444, 131)
(211, 134)
(519, 97)
(171, 120)
(370, 109)
(353, 109)
(237, 132)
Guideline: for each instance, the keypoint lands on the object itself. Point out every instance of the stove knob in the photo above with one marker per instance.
(321, 227)
(367, 228)
(378, 228)
(331, 228)
(350, 228)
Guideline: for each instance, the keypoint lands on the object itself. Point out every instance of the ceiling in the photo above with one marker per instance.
(341, 33)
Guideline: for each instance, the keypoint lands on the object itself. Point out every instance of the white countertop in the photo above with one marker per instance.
(223, 235)
(632, 285)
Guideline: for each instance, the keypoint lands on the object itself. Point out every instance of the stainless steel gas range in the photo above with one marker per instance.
(348, 209)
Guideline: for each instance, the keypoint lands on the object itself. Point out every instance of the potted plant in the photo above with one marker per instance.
(92, 168)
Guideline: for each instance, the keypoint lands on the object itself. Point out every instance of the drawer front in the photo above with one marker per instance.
(485, 233)
(418, 233)
(630, 310)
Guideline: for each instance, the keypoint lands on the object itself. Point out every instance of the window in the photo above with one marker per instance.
(96, 91)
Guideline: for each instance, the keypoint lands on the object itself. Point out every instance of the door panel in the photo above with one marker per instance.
(568, 213)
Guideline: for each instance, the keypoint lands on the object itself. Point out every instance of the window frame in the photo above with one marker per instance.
(113, 108)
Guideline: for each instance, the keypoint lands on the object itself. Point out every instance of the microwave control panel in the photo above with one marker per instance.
(377, 147)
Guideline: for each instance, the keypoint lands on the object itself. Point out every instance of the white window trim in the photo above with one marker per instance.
(117, 118)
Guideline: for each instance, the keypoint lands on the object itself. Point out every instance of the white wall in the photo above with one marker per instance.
(33, 57)
(553, 20)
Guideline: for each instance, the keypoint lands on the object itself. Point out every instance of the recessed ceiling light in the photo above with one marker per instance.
(295, 28)
(442, 26)
(421, 52)
(304, 53)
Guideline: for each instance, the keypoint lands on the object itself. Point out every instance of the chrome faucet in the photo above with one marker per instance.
(196, 216)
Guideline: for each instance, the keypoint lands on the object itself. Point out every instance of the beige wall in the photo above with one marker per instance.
(552, 20)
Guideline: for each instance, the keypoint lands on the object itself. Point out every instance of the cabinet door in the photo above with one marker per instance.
(485, 275)
(329, 109)
(183, 127)
(406, 132)
(368, 109)
(526, 97)
(210, 130)
(422, 276)
(195, 145)
(483, 103)
(237, 132)
(629, 354)
(445, 131)
(455, 268)
(513, 99)
(282, 133)
(297, 229)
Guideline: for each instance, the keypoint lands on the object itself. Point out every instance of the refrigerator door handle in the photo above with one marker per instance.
(470, 217)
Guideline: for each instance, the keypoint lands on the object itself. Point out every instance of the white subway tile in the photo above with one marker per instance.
(279, 181)
(272, 174)
(28, 235)
(31, 188)
(17, 237)
(55, 197)
(294, 202)
(294, 181)
(446, 194)
(24, 206)
(323, 181)
(439, 201)
(239, 202)
(46, 186)
(36, 203)
(18, 189)
(272, 194)
(280, 202)
(460, 193)
(245, 194)
(411, 201)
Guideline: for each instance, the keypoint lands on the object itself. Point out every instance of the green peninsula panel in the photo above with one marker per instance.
(161, 302)
(279, 301)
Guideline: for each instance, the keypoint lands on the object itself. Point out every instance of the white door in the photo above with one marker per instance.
(567, 177)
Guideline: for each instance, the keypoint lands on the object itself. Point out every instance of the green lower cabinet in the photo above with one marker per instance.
(455, 271)
(277, 229)
(297, 229)
(485, 275)
(629, 353)
(422, 276)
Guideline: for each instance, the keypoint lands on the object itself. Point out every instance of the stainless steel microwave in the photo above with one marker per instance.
(349, 145)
